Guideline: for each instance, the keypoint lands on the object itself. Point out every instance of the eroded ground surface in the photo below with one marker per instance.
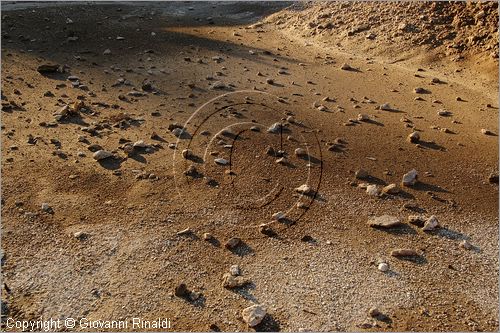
(105, 245)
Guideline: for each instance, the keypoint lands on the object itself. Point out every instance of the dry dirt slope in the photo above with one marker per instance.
(457, 34)
(107, 247)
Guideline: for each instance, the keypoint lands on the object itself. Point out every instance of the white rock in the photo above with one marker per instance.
(275, 128)
(373, 190)
(221, 161)
(101, 154)
(106, 52)
(410, 178)
(140, 144)
(278, 216)
(304, 189)
(234, 270)
(383, 267)
(363, 117)
(253, 315)
(431, 223)
(385, 107)
(46, 207)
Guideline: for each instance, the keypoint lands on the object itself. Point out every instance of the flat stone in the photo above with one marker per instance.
(253, 315)
(101, 154)
(233, 243)
(385, 221)
(221, 161)
(391, 189)
(403, 253)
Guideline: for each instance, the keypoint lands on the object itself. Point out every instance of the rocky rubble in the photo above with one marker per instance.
(453, 29)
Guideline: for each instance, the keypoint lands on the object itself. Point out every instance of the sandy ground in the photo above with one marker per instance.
(105, 246)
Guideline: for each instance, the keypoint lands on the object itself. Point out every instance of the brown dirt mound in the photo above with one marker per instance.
(452, 31)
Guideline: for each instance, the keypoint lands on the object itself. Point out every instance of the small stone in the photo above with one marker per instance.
(466, 245)
(281, 160)
(346, 67)
(178, 132)
(218, 85)
(186, 153)
(373, 190)
(414, 137)
(374, 312)
(107, 52)
(383, 267)
(269, 81)
(487, 132)
(419, 90)
(233, 243)
(208, 237)
(305, 189)
(410, 178)
(403, 253)
(493, 178)
(181, 290)
(385, 221)
(186, 231)
(391, 189)
(417, 220)
(234, 270)
(278, 216)
(253, 315)
(80, 235)
(48, 68)
(140, 144)
(46, 207)
(444, 113)
(275, 128)
(385, 107)
(431, 223)
(363, 117)
(221, 161)
(300, 152)
(101, 154)
(361, 174)
(230, 281)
